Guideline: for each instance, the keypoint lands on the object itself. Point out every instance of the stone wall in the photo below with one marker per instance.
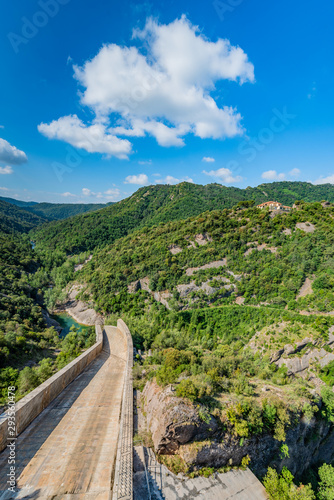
(123, 476)
(34, 403)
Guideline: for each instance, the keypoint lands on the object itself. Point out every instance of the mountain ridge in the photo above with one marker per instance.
(155, 204)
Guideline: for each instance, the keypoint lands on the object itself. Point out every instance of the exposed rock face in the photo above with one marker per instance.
(172, 421)
(185, 290)
(307, 227)
(306, 289)
(301, 364)
(217, 263)
(78, 267)
(80, 311)
(51, 322)
(259, 248)
(174, 249)
(142, 284)
(177, 428)
(163, 297)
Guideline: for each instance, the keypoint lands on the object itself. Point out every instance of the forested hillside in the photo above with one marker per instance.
(237, 307)
(239, 252)
(55, 211)
(30, 349)
(162, 203)
(17, 219)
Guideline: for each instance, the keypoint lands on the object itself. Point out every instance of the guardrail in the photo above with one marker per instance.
(123, 477)
(29, 407)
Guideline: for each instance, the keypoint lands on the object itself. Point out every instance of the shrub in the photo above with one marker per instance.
(281, 487)
(28, 380)
(326, 483)
(187, 389)
(327, 395)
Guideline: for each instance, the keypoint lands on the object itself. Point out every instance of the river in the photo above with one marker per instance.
(66, 321)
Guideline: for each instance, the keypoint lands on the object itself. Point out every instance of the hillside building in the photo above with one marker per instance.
(274, 205)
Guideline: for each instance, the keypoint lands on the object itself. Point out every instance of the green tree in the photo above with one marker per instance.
(187, 389)
(282, 487)
(326, 483)
(28, 380)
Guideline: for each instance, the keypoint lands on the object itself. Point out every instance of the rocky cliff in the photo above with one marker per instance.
(177, 427)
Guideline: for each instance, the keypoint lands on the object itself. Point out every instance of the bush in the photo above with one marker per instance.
(281, 487)
(28, 380)
(187, 389)
(326, 484)
(327, 395)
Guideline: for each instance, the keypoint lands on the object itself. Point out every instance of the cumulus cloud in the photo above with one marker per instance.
(295, 172)
(112, 194)
(325, 180)
(68, 195)
(6, 170)
(10, 154)
(93, 138)
(272, 175)
(208, 159)
(225, 175)
(140, 179)
(162, 91)
(169, 179)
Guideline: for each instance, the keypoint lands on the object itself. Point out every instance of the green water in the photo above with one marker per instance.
(66, 321)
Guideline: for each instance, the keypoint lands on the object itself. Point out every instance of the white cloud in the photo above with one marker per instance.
(163, 91)
(10, 154)
(6, 170)
(325, 180)
(4, 189)
(169, 179)
(145, 162)
(93, 138)
(69, 195)
(140, 179)
(295, 172)
(112, 194)
(208, 159)
(272, 175)
(225, 175)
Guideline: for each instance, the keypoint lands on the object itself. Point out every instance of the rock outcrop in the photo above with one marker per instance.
(82, 313)
(177, 428)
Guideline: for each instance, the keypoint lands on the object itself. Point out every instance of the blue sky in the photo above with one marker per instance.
(98, 98)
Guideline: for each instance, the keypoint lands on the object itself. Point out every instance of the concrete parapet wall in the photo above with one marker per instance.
(123, 476)
(29, 407)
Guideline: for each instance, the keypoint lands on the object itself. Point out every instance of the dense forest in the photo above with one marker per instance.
(54, 211)
(15, 219)
(30, 351)
(153, 205)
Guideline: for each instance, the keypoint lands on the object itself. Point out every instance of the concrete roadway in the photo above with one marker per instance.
(68, 451)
